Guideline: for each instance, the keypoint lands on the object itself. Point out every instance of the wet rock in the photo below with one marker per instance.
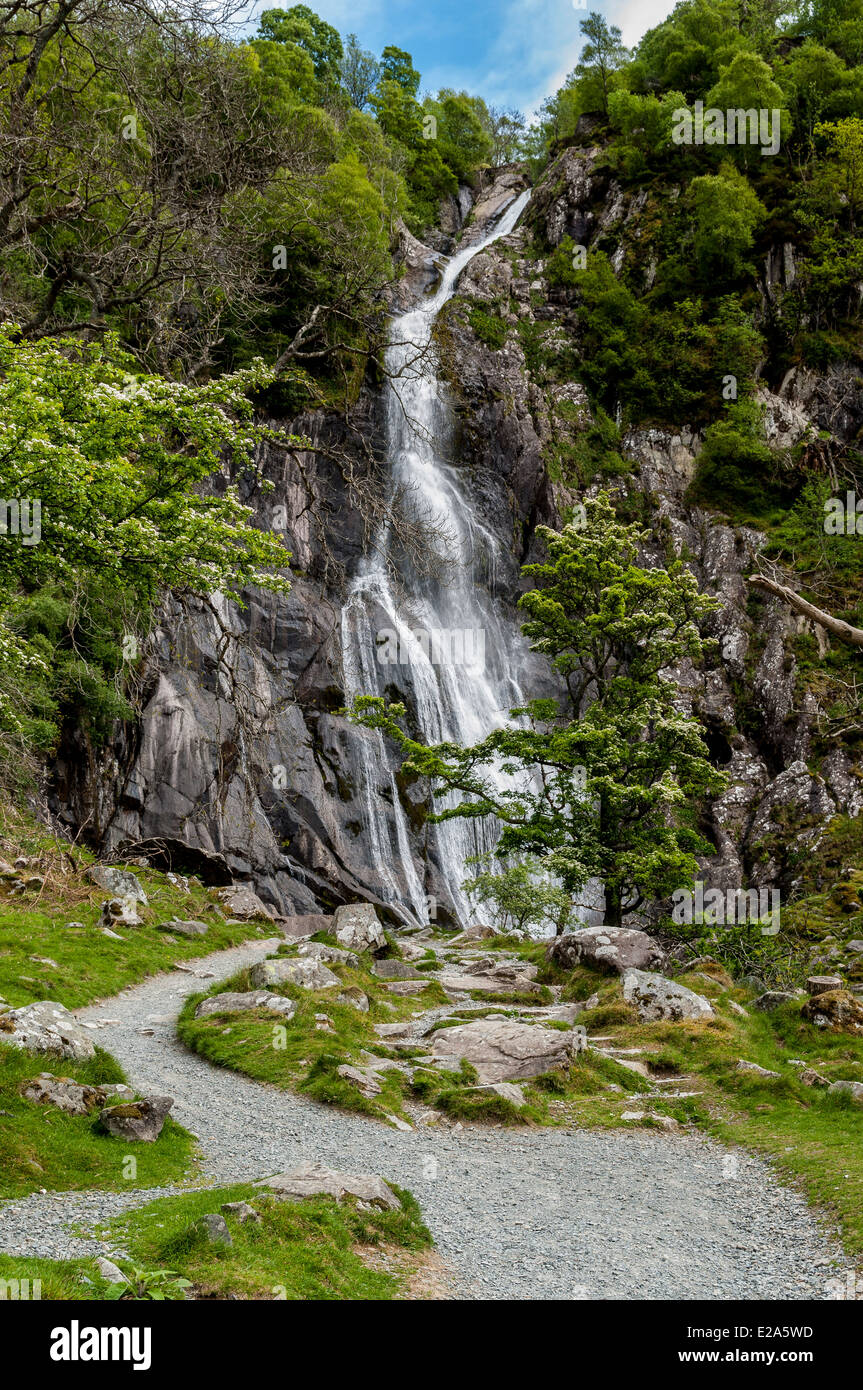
(657, 998)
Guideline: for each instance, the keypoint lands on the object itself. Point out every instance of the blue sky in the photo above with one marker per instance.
(512, 52)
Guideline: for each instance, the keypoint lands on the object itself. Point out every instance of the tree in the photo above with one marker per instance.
(505, 128)
(462, 140)
(116, 467)
(360, 72)
(747, 84)
(398, 66)
(601, 56)
(844, 140)
(520, 897)
(603, 785)
(307, 30)
(726, 214)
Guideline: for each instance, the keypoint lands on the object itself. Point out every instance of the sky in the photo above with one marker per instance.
(511, 52)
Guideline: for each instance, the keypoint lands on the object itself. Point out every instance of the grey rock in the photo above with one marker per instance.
(305, 924)
(120, 912)
(753, 1069)
(242, 1211)
(307, 972)
(365, 1081)
(810, 1077)
(46, 1026)
(242, 901)
(215, 1229)
(358, 928)
(109, 1271)
(395, 970)
(64, 1093)
(120, 883)
(313, 1180)
(854, 1089)
(190, 929)
(503, 1050)
(772, 999)
(328, 953)
(609, 949)
(837, 1010)
(232, 1003)
(140, 1121)
(657, 998)
(355, 997)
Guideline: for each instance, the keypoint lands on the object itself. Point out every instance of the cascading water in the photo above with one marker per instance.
(455, 653)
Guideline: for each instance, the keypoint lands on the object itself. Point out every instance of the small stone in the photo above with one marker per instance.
(242, 1211)
(110, 1271)
(215, 1228)
(753, 1069)
(810, 1077)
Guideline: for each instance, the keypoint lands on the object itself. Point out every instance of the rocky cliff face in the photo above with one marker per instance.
(241, 765)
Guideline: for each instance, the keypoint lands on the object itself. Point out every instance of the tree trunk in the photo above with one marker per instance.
(844, 631)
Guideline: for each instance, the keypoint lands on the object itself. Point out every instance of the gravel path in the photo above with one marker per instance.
(531, 1215)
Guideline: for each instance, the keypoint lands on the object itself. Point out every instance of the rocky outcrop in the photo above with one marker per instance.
(609, 949)
(503, 1051)
(658, 999)
(46, 1027)
(314, 1180)
(231, 1002)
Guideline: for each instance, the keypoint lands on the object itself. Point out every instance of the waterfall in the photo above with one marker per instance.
(439, 639)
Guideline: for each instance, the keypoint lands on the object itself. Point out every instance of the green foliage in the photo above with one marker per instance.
(301, 26)
(519, 897)
(726, 215)
(737, 467)
(605, 786)
(491, 329)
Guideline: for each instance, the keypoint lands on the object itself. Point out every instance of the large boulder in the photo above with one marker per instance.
(64, 1093)
(332, 954)
(313, 1180)
(505, 1051)
(305, 971)
(395, 970)
(121, 912)
(233, 1003)
(836, 1010)
(305, 925)
(139, 1121)
(657, 998)
(242, 902)
(358, 928)
(609, 949)
(120, 883)
(46, 1027)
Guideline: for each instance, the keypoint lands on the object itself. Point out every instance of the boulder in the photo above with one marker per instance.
(328, 953)
(120, 883)
(232, 1003)
(507, 1090)
(242, 902)
(836, 1009)
(488, 984)
(242, 1211)
(110, 1272)
(189, 929)
(609, 949)
(365, 1081)
(313, 1180)
(854, 1089)
(120, 912)
(64, 1093)
(477, 932)
(358, 928)
(304, 925)
(46, 1027)
(395, 970)
(753, 1069)
(501, 1050)
(657, 998)
(355, 997)
(214, 1228)
(855, 947)
(810, 1077)
(138, 1121)
(307, 972)
(773, 999)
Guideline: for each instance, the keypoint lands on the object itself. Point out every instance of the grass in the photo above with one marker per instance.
(42, 1147)
(298, 1055)
(316, 1248)
(87, 965)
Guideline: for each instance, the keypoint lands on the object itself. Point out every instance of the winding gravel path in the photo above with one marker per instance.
(530, 1215)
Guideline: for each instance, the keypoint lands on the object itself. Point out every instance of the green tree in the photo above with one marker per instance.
(605, 784)
(360, 72)
(520, 896)
(726, 214)
(398, 66)
(301, 26)
(602, 55)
